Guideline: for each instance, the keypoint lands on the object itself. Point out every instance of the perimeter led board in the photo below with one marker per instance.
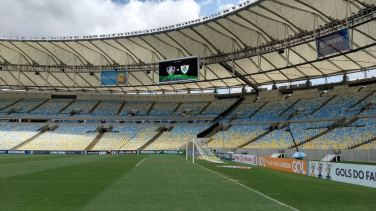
(176, 70)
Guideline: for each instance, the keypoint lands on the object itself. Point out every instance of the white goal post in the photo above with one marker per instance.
(204, 155)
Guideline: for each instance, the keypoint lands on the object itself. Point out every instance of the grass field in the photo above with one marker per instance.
(163, 182)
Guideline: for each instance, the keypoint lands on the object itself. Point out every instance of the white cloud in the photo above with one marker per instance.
(85, 17)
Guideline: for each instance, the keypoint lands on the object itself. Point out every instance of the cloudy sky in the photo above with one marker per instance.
(87, 17)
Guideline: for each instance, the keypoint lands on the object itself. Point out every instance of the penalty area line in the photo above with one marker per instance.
(140, 162)
(251, 189)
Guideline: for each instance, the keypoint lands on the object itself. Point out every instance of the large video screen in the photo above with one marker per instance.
(176, 70)
(113, 78)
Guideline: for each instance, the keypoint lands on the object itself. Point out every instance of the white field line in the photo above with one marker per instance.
(140, 162)
(251, 189)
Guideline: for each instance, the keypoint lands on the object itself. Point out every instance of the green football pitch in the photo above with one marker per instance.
(163, 182)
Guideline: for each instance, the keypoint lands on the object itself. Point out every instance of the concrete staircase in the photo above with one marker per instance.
(67, 106)
(203, 109)
(160, 132)
(323, 104)
(258, 110)
(121, 108)
(38, 106)
(94, 142)
(151, 108)
(95, 107)
(29, 140)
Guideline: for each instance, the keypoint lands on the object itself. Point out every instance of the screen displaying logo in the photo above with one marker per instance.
(170, 70)
(181, 69)
(184, 68)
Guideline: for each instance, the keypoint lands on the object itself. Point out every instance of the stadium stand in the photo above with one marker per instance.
(271, 111)
(107, 108)
(357, 133)
(63, 138)
(52, 107)
(141, 106)
(143, 135)
(13, 135)
(24, 105)
(117, 138)
(84, 105)
(194, 106)
(163, 108)
(176, 138)
(6, 102)
(218, 106)
(237, 135)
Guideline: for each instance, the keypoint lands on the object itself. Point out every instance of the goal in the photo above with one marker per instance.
(204, 153)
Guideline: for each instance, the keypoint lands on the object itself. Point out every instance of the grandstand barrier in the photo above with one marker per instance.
(160, 152)
(247, 159)
(364, 175)
(288, 165)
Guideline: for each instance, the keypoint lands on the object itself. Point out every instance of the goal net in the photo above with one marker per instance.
(204, 153)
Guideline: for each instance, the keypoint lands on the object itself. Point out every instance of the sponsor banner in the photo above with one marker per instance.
(333, 43)
(124, 152)
(235, 167)
(113, 78)
(288, 165)
(164, 152)
(58, 152)
(15, 152)
(364, 175)
(248, 159)
(96, 152)
(221, 155)
(227, 156)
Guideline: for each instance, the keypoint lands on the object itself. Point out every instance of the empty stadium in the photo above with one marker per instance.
(261, 90)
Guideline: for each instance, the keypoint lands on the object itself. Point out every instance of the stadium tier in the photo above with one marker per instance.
(237, 135)
(218, 106)
(51, 108)
(193, 107)
(163, 108)
(63, 138)
(176, 138)
(13, 135)
(23, 106)
(107, 108)
(241, 118)
(117, 138)
(142, 136)
(81, 106)
(141, 107)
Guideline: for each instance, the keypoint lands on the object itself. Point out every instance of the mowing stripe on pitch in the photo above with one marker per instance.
(140, 162)
(251, 189)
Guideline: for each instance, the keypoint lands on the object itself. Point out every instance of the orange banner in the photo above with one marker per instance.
(288, 165)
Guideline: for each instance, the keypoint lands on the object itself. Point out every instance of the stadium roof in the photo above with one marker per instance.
(252, 44)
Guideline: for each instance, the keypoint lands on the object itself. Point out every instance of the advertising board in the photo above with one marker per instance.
(364, 175)
(288, 165)
(247, 159)
(165, 152)
(113, 78)
(333, 43)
